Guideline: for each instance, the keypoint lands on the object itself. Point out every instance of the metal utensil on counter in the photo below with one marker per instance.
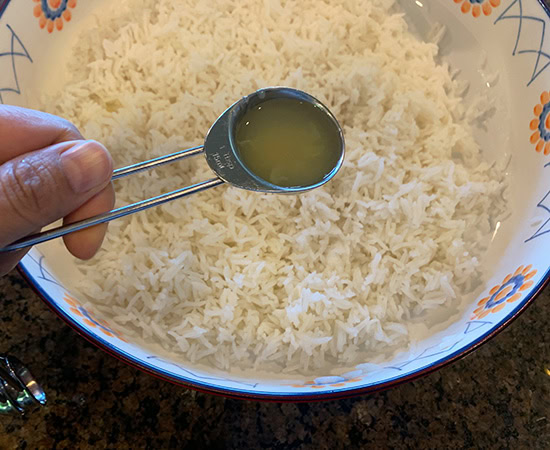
(19, 391)
(222, 156)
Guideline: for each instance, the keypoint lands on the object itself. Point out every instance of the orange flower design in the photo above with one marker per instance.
(323, 382)
(89, 320)
(540, 125)
(476, 7)
(509, 291)
(52, 14)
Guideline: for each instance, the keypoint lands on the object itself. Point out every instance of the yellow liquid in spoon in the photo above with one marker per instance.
(288, 142)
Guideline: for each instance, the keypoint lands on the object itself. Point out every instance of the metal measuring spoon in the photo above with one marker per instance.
(19, 391)
(221, 155)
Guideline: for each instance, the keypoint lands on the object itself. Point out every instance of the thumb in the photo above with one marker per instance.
(40, 187)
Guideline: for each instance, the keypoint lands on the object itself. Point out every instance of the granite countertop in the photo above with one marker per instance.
(498, 397)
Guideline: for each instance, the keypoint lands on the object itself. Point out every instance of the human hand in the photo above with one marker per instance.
(47, 172)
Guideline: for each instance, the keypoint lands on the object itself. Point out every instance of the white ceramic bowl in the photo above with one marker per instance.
(499, 45)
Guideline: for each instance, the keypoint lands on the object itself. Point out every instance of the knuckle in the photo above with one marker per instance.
(27, 185)
(70, 131)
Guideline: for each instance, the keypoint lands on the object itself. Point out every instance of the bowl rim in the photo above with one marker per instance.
(3, 5)
(237, 393)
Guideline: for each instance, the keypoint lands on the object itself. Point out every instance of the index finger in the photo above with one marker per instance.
(24, 130)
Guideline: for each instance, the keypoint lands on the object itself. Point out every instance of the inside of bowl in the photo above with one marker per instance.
(484, 51)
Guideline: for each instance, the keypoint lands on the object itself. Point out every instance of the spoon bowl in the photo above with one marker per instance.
(222, 153)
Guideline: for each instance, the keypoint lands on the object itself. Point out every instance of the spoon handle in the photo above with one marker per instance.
(44, 236)
(54, 233)
(152, 163)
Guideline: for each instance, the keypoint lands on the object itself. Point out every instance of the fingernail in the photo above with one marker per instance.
(87, 166)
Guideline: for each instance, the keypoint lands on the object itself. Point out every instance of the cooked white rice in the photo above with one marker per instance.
(233, 278)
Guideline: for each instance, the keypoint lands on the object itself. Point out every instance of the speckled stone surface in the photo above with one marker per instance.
(499, 397)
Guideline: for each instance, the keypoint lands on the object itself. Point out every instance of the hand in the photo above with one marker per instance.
(47, 172)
